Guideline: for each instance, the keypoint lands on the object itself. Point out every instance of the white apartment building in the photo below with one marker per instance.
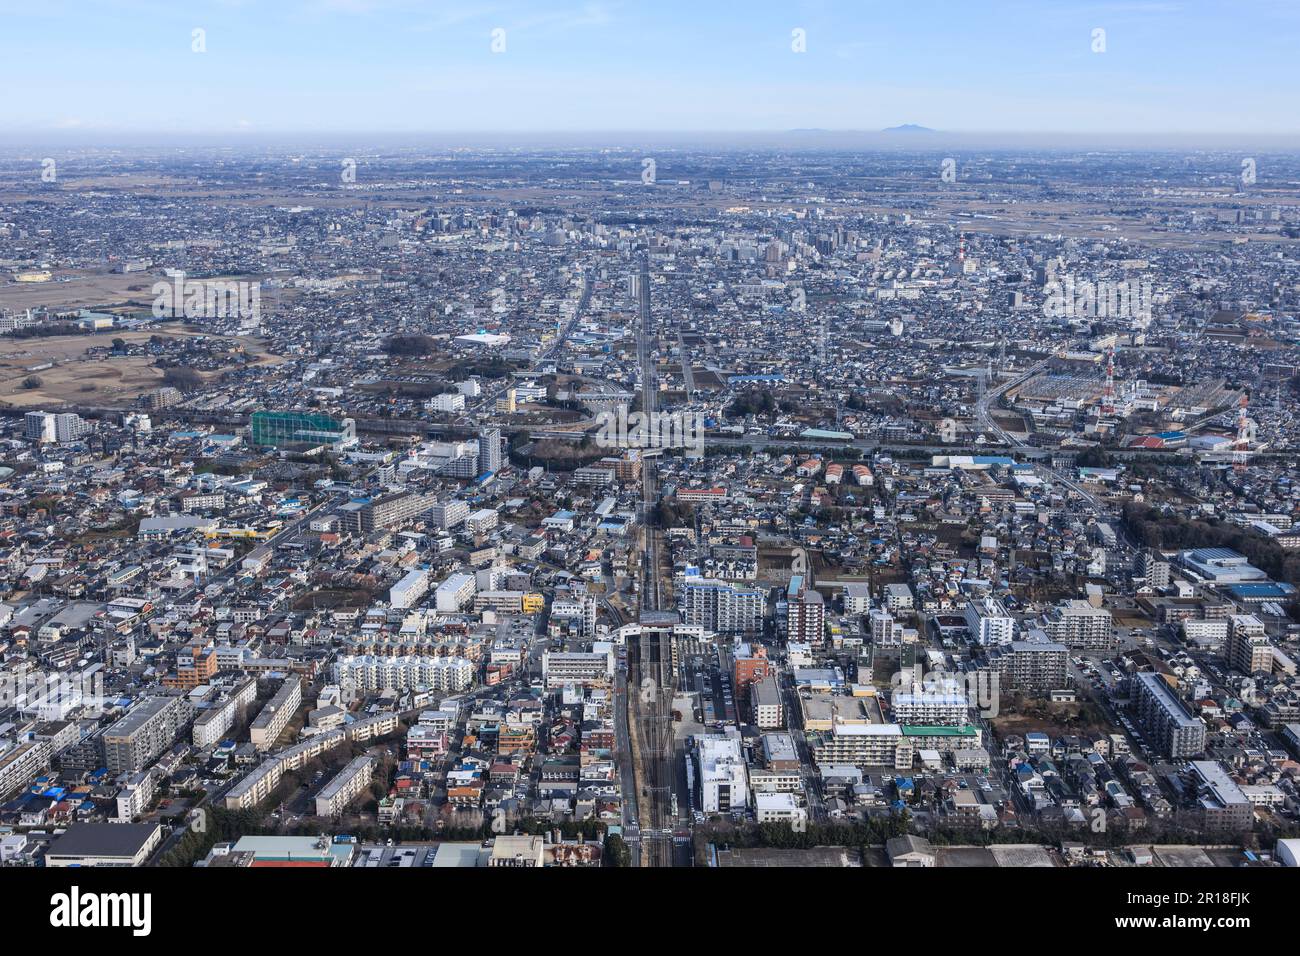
(934, 704)
(450, 402)
(989, 623)
(366, 673)
(406, 592)
(720, 607)
(482, 521)
(454, 593)
(335, 796)
(899, 598)
(580, 668)
(857, 598)
(1077, 623)
(275, 716)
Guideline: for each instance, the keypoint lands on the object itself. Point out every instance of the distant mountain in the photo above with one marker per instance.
(908, 128)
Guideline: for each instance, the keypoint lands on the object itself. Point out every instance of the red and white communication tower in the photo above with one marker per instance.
(1108, 393)
(961, 248)
(1241, 447)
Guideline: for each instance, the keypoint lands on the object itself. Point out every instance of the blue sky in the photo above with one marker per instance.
(1182, 66)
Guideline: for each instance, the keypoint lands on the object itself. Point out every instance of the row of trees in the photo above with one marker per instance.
(1153, 529)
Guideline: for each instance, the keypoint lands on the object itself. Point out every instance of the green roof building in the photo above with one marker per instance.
(298, 429)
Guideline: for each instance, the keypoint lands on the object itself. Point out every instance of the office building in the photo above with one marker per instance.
(721, 772)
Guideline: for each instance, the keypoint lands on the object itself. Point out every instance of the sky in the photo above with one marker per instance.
(1223, 67)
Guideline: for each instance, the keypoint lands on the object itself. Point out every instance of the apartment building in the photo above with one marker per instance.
(721, 607)
(367, 673)
(1036, 667)
(864, 745)
(195, 665)
(387, 512)
(939, 703)
(146, 731)
(454, 593)
(750, 664)
(1224, 806)
(345, 786)
(805, 612)
(989, 623)
(268, 725)
(1076, 623)
(585, 669)
(1170, 727)
(449, 514)
(20, 764)
(211, 724)
(1248, 648)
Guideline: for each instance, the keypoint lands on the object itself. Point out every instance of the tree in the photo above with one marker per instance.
(185, 379)
(616, 852)
(409, 345)
(32, 382)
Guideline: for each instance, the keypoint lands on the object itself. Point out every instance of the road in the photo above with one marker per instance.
(985, 418)
(989, 398)
(488, 400)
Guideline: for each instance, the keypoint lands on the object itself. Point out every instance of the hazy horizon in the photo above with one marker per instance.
(1152, 69)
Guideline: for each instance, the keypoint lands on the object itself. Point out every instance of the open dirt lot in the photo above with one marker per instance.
(116, 381)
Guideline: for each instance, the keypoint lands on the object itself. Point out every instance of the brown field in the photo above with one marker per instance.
(117, 382)
(1056, 720)
(82, 290)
